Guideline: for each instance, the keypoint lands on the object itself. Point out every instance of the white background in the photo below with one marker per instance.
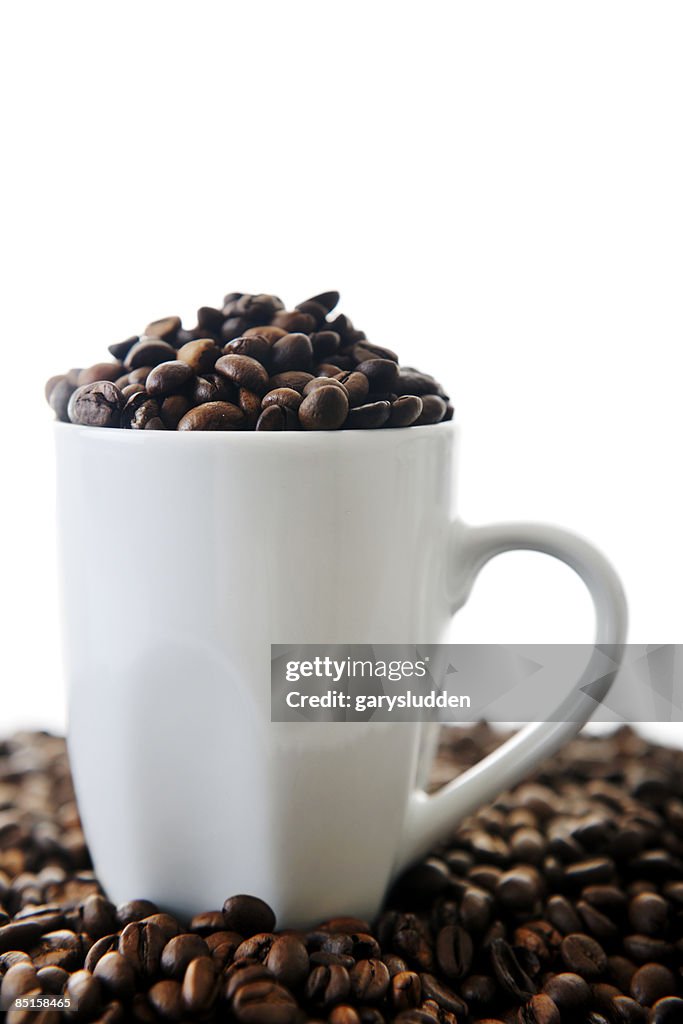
(495, 188)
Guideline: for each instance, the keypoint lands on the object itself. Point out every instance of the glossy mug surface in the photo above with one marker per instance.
(183, 557)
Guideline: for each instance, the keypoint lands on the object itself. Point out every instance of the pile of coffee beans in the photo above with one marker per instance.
(560, 903)
(250, 365)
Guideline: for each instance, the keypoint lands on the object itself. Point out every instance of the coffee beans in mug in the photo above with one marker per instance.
(250, 346)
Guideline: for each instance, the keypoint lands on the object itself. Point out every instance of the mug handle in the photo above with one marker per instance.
(430, 818)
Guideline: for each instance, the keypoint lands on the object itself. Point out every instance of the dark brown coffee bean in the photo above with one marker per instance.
(61, 948)
(148, 352)
(625, 1010)
(295, 322)
(293, 352)
(368, 417)
(295, 379)
(207, 923)
(247, 915)
(100, 371)
(519, 889)
(509, 972)
(258, 307)
(212, 388)
(433, 410)
(116, 975)
(96, 405)
(314, 309)
(476, 909)
(346, 1015)
(328, 985)
(272, 418)
(287, 398)
(324, 343)
(84, 991)
(138, 411)
(287, 960)
(454, 951)
(200, 985)
(49, 916)
(213, 416)
(648, 913)
(244, 372)
(107, 944)
(168, 378)
(369, 980)
(59, 396)
(179, 951)
(210, 318)
(356, 384)
(645, 948)
(652, 982)
(142, 943)
(539, 1010)
(18, 981)
(140, 375)
(172, 410)
(324, 409)
(583, 955)
(667, 1011)
(598, 871)
(255, 346)
(243, 972)
(131, 389)
(598, 924)
(166, 999)
(479, 990)
(406, 990)
(382, 374)
(568, 991)
(234, 327)
(166, 328)
(405, 411)
(270, 333)
(442, 995)
(562, 915)
(264, 1002)
(323, 382)
(120, 349)
(98, 916)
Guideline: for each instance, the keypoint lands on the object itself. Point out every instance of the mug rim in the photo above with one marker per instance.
(232, 438)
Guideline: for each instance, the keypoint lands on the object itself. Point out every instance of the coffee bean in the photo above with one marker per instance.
(454, 951)
(648, 913)
(107, 944)
(269, 332)
(59, 396)
(209, 318)
(116, 975)
(99, 371)
(85, 993)
(405, 411)
(272, 418)
(255, 346)
(369, 980)
(476, 909)
(19, 980)
(120, 349)
(264, 1002)
(583, 955)
(590, 872)
(509, 972)
(247, 915)
(357, 386)
(98, 916)
(287, 960)
(368, 417)
(61, 948)
(346, 1015)
(200, 985)
(295, 322)
(382, 374)
(568, 991)
(212, 388)
(295, 379)
(139, 411)
(324, 409)
(328, 985)
(562, 915)
(539, 1010)
(258, 307)
(213, 416)
(200, 355)
(645, 948)
(96, 405)
(148, 352)
(179, 951)
(323, 382)
(172, 410)
(445, 998)
(140, 375)
(667, 1011)
(287, 398)
(519, 889)
(293, 352)
(142, 943)
(166, 329)
(244, 372)
(433, 410)
(168, 378)
(652, 982)
(627, 1011)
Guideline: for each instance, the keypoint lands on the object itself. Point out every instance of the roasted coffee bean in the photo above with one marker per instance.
(597, 923)
(131, 389)
(652, 982)
(509, 972)
(213, 416)
(357, 386)
(200, 985)
(100, 371)
(120, 349)
(207, 923)
(645, 948)
(446, 999)
(405, 411)
(293, 352)
(116, 975)
(168, 378)
(406, 990)
(347, 1015)
(98, 916)
(324, 343)
(295, 379)
(667, 1011)
(209, 318)
(583, 955)
(648, 913)
(166, 329)
(139, 411)
(247, 915)
(49, 916)
(172, 410)
(269, 332)
(179, 951)
(454, 951)
(382, 374)
(287, 960)
(244, 372)
(323, 382)
(255, 346)
(96, 405)
(59, 396)
(61, 948)
(328, 985)
(211, 388)
(625, 1010)
(562, 915)
(295, 322)
(288, 398)
(234, 327)
(148, 352)
(598, 871)
(479, 990)
(324, 409)
(20, 979)
(433, 410)
(539, 1010)
(568, 991)
(142, 943)
(519, 889)
(272, 418)
(368, 417)
(140, 375)
(476, 909)
(199, 355)
(264, 1002)
(258, 307)
(84, 991)
(369, 980)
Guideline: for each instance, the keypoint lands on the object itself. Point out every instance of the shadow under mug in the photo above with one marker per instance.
(183, 557)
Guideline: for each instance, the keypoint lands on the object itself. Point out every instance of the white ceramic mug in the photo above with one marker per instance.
(184, 556)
